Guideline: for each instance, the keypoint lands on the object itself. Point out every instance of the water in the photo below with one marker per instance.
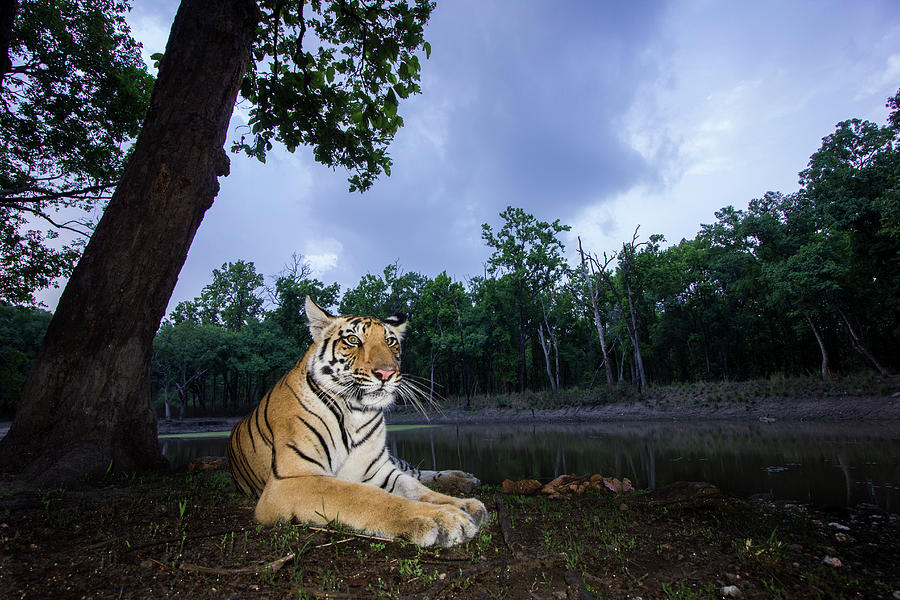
(823, 464)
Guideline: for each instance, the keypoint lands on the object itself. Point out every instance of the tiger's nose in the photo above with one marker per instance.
(384, 374)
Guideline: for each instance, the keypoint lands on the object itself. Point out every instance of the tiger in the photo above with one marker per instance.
(314, 449)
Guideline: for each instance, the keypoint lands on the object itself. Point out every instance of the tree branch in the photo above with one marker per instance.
(6, 200)
(47, 218)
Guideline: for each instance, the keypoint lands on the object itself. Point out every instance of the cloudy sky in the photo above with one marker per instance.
(605, 115)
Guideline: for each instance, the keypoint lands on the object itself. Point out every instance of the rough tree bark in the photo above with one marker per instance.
(85, 406)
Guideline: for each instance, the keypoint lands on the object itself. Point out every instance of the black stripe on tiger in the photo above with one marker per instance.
(366, 477)
(249, 480)
(379, 420)
(266, 441)
(240, 468)
(333, 407)
(266, 417)
(300, 453)
(322, 443)
(393, 485)
(313, 413)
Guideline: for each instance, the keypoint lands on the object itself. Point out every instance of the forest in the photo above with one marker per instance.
(797, 283)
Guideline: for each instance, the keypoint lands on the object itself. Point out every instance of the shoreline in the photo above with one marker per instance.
(866, 408)
(863, 408)
(772, 410)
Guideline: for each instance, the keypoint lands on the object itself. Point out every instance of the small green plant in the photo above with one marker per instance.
(410, 568)
(330, 581)
(767, 554)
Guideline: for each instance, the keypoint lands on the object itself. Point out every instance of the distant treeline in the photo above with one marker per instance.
(807, 282)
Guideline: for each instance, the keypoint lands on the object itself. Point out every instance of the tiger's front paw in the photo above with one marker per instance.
(443, 525)
(476, 509)
(453, 482)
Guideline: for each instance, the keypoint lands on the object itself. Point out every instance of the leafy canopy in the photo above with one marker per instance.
(72, 100)
(330, 75)
(327, 74)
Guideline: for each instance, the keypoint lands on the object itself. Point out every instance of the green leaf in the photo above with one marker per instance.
(427, 48)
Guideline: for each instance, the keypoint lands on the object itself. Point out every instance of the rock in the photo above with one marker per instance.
(206, 463)
(525, 487)
(732, 591)
(832, 561)
(686, 494)
(839, 526)
(565, 486)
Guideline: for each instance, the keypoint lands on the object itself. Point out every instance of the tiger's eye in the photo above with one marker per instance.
(352, 340)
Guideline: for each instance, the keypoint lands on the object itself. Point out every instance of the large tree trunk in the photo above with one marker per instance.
(826, 371)
(85, 406)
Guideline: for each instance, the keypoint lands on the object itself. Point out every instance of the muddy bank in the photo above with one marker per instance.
(860, 408)
(664, 407)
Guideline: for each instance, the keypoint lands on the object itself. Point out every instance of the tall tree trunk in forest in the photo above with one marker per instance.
(590, 264)
(545, 343)
(85, 405)
(638, 361)
(465, 357)
(826, 373)
(858, 344)
(522, 339)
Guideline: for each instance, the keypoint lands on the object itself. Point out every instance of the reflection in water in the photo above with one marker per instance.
(825, 464)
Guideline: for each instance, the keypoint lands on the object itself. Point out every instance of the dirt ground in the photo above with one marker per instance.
(191, 535)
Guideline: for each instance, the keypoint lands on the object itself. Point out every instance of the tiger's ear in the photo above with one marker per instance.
(398, 322)
(318, 319)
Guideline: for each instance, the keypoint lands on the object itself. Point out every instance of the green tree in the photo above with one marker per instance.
(71, 101)
(232, 299)
(530, 253)
(102, 332)
(21, 332)
(853, 186)
(439, 327)
(390, 293)
(177, 362)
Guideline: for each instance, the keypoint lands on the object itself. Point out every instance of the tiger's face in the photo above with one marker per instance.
(356, 358)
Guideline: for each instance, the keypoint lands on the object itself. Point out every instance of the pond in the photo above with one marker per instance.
(823, 464)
